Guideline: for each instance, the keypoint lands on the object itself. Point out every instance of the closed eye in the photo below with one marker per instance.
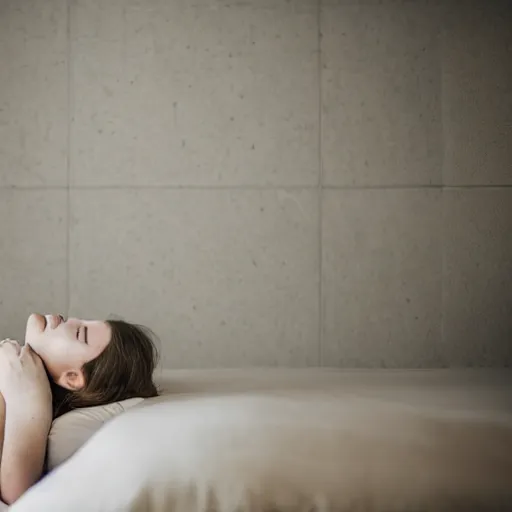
(86, 341)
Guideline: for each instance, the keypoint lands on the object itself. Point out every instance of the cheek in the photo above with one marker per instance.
(60, 351)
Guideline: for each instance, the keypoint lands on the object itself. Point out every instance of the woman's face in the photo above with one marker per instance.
(65, 345)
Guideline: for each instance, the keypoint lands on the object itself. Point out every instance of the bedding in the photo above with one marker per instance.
(288, 440)
(72, 430)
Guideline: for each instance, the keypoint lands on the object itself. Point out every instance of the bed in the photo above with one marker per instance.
(289, 440)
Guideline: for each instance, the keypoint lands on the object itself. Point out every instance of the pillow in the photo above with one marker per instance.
(284, 452)
(71, 430)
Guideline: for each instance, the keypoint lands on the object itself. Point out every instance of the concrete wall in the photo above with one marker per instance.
(263, 182)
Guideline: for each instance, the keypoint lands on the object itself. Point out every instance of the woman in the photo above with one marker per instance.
(64, 364)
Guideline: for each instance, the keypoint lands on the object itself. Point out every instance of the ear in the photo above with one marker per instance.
(72, 380)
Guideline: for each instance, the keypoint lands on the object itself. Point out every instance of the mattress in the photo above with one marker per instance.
(484, 393)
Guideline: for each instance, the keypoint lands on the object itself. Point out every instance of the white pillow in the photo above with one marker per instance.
(71, 430)
(285, 453)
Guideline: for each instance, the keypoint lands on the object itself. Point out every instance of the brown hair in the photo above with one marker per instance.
(123, 370)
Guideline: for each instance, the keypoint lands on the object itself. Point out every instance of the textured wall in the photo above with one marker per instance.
(264, 182)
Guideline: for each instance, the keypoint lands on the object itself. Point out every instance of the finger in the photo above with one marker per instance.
(26, 349)
(27, 352)
(9, 344)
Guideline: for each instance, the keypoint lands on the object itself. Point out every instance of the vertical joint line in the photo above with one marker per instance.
(320, 185)
(68, 153)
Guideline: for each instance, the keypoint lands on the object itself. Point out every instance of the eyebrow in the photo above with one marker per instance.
(85, 334)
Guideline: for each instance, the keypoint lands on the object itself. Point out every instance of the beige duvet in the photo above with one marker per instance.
(289, 440)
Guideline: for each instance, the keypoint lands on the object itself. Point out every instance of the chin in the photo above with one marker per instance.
(36, 323)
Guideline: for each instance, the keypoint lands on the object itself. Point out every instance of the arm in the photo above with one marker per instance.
(27, 410)
(24, 449)
(2, 428)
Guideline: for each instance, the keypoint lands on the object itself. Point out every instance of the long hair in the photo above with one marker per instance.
(123, 370)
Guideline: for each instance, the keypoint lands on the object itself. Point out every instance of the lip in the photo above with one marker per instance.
(53, 321)
(45, 322)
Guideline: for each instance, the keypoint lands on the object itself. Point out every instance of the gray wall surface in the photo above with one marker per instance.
(263, 182)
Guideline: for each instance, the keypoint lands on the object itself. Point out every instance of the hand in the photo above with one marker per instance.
(23, 380)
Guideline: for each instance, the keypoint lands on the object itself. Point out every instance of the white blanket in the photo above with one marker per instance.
(295, 440)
